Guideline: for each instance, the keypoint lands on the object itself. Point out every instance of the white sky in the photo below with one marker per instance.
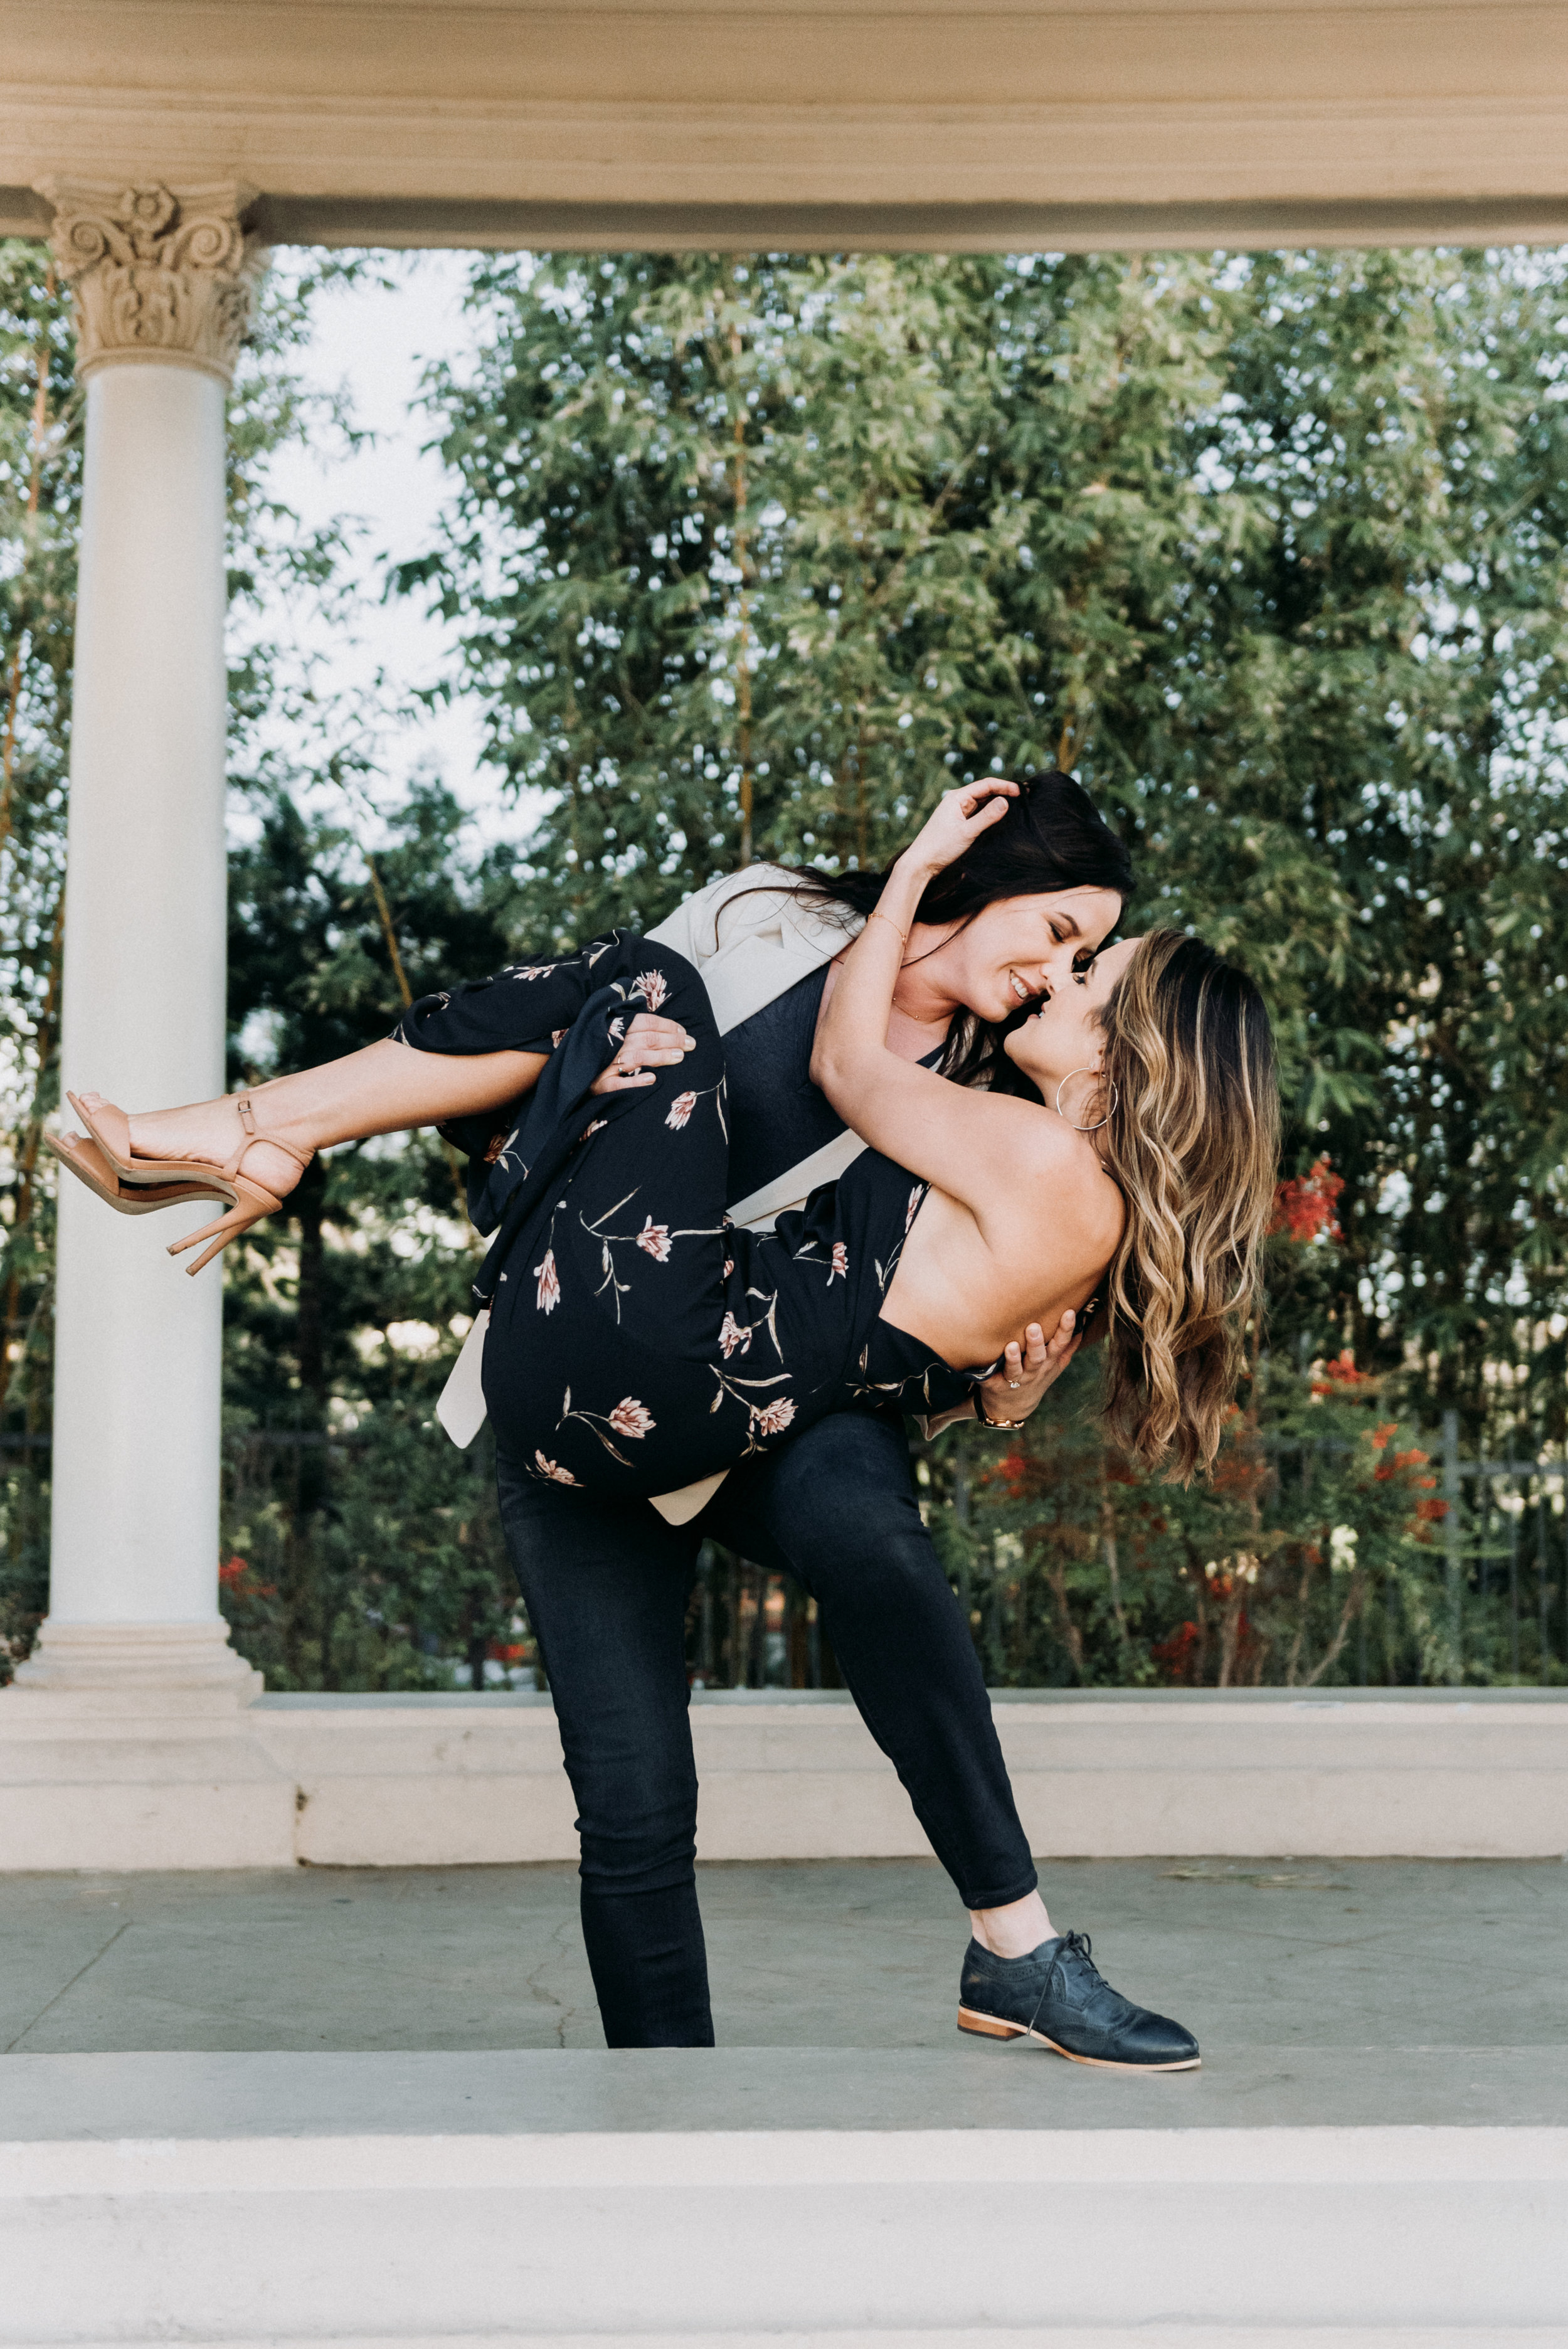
(374, 340)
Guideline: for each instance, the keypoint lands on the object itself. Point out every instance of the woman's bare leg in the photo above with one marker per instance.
(387, 1088)
(1015, 1930)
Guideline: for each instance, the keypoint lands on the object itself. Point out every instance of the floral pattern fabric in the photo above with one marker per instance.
(638, 1339)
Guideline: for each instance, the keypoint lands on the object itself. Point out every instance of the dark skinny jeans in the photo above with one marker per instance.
(606, 1586)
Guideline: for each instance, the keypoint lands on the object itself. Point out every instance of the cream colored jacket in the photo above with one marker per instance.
(751, 943)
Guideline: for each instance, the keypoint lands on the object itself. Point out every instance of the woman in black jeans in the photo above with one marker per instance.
(1166, 1021)
(607, 1601)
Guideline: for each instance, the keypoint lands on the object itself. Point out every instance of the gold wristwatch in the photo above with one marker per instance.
(980, 1414)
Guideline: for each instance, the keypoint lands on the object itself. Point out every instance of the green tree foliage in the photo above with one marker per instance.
(1270, 550)
(755, 556)
(363, 1549)
(40, 487)
(1401, 423)
(331, 1311)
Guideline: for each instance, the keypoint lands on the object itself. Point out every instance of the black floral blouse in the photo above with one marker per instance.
(638, 1339)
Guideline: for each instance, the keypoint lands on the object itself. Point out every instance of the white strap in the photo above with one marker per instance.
(792, 1188)
(461, 1406)
(679, 1508)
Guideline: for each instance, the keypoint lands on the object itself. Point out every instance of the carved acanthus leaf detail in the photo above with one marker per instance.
(157, 274)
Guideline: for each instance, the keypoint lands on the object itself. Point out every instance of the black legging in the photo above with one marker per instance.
(606, 1585)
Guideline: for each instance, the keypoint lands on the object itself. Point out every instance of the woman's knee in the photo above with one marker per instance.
(638, 1833)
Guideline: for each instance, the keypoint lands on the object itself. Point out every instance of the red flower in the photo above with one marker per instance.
(1340, 1373)
(231, 1575)
(1304, 1206)
(1013, 1469)
(1179, 1653)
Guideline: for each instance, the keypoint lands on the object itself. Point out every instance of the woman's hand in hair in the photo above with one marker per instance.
(650, 1043)
(956, 821)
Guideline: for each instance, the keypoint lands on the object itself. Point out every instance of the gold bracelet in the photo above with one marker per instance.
(902, 935)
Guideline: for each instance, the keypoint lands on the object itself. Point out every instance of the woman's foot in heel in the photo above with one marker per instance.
(204, 1134)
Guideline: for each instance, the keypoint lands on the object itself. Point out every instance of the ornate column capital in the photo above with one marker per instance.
(157, 275)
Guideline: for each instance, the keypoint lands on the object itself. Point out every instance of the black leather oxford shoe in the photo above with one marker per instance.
(1057, 1995)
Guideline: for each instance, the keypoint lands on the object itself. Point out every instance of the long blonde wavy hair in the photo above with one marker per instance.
(1192, 1139)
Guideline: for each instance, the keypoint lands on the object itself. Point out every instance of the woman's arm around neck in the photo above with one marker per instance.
(1003, 1159)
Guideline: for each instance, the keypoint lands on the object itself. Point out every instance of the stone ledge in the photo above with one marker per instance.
(444, 1781)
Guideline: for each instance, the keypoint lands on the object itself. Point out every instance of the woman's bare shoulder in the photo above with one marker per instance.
(1065, 1178)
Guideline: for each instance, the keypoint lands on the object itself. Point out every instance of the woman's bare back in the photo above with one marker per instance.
(966, 1298)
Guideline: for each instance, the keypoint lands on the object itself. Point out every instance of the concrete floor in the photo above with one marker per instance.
(1347, 1955)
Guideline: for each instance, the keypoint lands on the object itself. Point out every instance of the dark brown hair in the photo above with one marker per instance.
(1051, 839)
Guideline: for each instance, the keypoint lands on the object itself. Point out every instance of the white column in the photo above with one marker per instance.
(162, 287)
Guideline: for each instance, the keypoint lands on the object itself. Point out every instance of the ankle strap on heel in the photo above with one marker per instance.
(253, 1134)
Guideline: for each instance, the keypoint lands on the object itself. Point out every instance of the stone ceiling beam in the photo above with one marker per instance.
(973, 124)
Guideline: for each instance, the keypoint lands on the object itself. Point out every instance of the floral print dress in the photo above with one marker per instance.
(638, 1339)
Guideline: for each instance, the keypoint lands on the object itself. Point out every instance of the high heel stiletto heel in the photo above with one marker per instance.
(136, 1186)
(249, 1201)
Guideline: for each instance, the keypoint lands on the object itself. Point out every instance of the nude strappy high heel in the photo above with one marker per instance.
(251, 1202)
(88, 1163)
(175, 1178)
(110, 1130)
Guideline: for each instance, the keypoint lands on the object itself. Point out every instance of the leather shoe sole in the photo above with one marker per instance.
(991, 2026)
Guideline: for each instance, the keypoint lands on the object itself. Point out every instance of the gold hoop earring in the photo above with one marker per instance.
(1110, 1112)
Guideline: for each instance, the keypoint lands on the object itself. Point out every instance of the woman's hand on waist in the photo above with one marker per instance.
(1028, 1369)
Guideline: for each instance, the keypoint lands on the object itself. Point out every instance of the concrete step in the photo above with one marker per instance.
(975, 2194)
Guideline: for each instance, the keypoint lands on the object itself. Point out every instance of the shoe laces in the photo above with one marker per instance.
(1074, 1960)
(1078, 1946)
